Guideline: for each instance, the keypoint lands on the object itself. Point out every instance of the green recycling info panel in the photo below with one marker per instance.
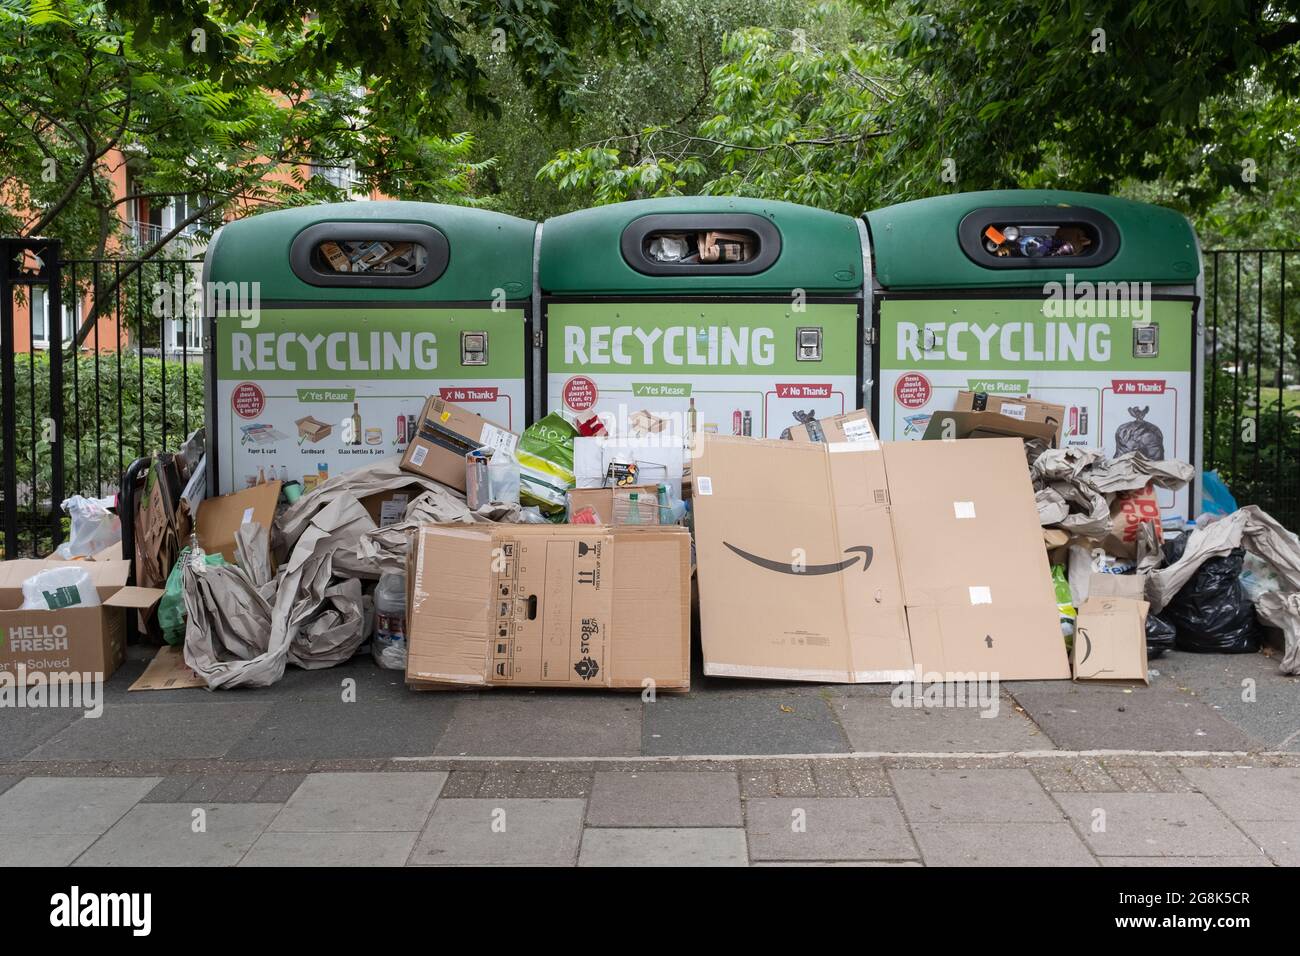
(734, 368)
(304, 394)
(1122, 373)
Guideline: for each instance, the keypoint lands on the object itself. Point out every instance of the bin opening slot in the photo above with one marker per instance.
(669, 244)
(1038, 240)
(403, 255)
(372, 256)
(1038, 237)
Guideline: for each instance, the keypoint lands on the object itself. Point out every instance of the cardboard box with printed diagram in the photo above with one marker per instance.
(851, 426)
(549, 606)
(71, 640)
(1110, 641)
(860, 563)
(446, 433)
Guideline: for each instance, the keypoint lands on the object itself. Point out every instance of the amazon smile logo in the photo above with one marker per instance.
(793, 567)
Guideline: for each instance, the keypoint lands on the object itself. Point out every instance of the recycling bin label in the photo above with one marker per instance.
(732, 368)
(304, 394)
(1116, 397)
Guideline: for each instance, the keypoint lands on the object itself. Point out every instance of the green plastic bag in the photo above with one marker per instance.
(1064, 604)
(171, 609)
(545, 455)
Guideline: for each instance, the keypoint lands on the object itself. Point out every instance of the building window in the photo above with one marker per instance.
(40, 316)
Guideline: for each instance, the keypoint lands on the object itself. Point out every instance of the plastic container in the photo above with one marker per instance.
(388, 643)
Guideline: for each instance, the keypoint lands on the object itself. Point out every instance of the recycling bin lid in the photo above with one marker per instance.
(700, 245)
(377, 250)
(1028, 237)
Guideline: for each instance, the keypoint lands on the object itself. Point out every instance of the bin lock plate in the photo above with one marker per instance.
(808, 344)
(1146, 340)
(473, 348)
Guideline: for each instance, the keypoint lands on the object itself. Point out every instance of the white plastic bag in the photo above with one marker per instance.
(94, 527)
(57, 588)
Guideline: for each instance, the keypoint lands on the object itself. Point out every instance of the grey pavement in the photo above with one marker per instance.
(357, 712)
(996, 810)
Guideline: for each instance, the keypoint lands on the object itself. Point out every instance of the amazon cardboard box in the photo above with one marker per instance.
(966, 424)
(550, 606)
(798, 575)
(872, 562)
(1110, 639)
(72, 640)
(446, 434)
(851, 426)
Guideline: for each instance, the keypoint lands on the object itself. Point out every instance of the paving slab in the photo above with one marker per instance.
(973, 796)
(660, 846)
(43, 849)
(1154, 824)
(665, 798)
(1246, 689)
(157, 731)
(578, 724)
(827, 828)
(1001, 844)
(1250, 793)
(359, 802)
(162, 834)
(875, 723)
(1219, 862)
(788, 723)
(331, 849)
(22, 731)
(1093, 716)
(1280, 839)
(70, 804)
(511, 832)
(328, 729)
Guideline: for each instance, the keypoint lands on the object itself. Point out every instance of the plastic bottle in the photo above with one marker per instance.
(388, 643)
(633, 508)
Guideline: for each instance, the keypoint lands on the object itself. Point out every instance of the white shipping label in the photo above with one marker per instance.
(859, 430)
(498, 439)
(842, 447)
(417, 457)
(981, 595)
(1014, 411)
(248, 516)
(703, 486)
(963, 509)
(393, 510)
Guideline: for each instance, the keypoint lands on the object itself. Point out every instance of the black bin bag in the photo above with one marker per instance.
(1212, 612)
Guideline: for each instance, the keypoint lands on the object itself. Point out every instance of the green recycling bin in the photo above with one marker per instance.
(330, 325)
(1089, 302)
(720, 314)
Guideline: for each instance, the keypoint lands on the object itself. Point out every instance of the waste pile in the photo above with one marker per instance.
(564, 556)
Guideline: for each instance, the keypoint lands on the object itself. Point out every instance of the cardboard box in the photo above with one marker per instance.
(1110, 639)
(445, 435)
(74, 640)
(975, 575)
(611, 504)
(798, 577)
(966, 424)
(389, 507)
(550, 606)
(856, 564)
(1131, 586)
(1026, 409)
(851, 426)
(220, 518)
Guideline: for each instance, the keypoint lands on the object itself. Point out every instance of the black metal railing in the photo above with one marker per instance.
(1252, 402)
(101, 362)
